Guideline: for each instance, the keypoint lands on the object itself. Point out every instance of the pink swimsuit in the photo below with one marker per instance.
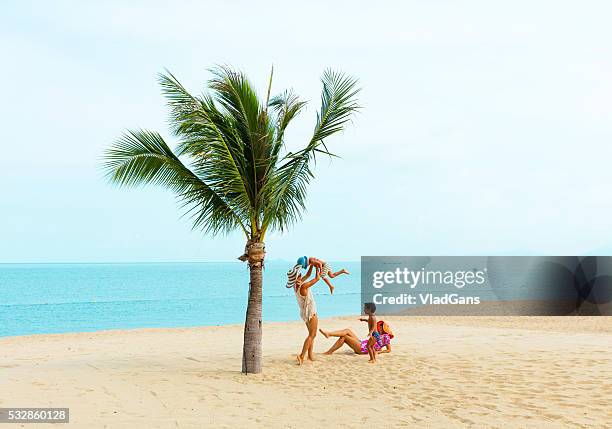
(383, 341)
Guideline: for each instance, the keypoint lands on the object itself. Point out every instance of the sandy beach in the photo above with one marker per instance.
(443, 372)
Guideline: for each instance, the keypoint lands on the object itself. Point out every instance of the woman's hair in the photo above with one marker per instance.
(370, 306)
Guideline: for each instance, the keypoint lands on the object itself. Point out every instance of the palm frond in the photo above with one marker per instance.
(239, 100)
(213, 139)
(338, 103)
(234, 92)
(182, 104)
(143, 157)
(287, 107)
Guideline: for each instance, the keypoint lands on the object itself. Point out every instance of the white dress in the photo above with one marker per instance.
(307, 305)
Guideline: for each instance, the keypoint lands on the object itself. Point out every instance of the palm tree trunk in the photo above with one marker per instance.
(251, 352)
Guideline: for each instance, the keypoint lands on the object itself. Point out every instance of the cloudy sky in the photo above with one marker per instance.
(486, 127)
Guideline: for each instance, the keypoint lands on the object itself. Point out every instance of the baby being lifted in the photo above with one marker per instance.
(323, 267)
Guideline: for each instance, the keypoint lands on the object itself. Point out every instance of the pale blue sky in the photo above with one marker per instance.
(486, 128)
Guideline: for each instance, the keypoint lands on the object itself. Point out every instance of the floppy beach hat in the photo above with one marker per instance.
(303, 261)
(384, 328)
(292, 276)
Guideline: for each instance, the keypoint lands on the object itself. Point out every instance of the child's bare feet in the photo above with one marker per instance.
(325, 334)
(328, 353)
(345, 271)
(311, 358)
(372, 361)
(331, 289)
(300, 359)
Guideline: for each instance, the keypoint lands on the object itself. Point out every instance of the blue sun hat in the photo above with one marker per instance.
(303, 261)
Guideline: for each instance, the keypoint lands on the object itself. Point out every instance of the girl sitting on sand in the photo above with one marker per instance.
(380, 337)
(324, 268)
(308, 308)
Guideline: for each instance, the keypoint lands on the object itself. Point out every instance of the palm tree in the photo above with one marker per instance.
(229, 169)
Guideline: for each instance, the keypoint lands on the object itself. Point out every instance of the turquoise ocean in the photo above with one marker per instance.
(56, 298)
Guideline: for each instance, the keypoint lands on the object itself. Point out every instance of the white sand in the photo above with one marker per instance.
(443, 372)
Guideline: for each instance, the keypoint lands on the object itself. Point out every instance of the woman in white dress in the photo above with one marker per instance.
(308, 309)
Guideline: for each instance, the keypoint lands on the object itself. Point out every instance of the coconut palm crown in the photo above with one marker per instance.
(230, 169)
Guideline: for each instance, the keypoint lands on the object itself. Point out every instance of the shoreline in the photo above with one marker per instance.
(479, 371)
(458, 319)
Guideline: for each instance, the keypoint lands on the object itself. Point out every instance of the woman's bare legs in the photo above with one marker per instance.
(312, 325)
(312, 331)
(345, 336)
(336, 346)
(350, 341)
(340, 333)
